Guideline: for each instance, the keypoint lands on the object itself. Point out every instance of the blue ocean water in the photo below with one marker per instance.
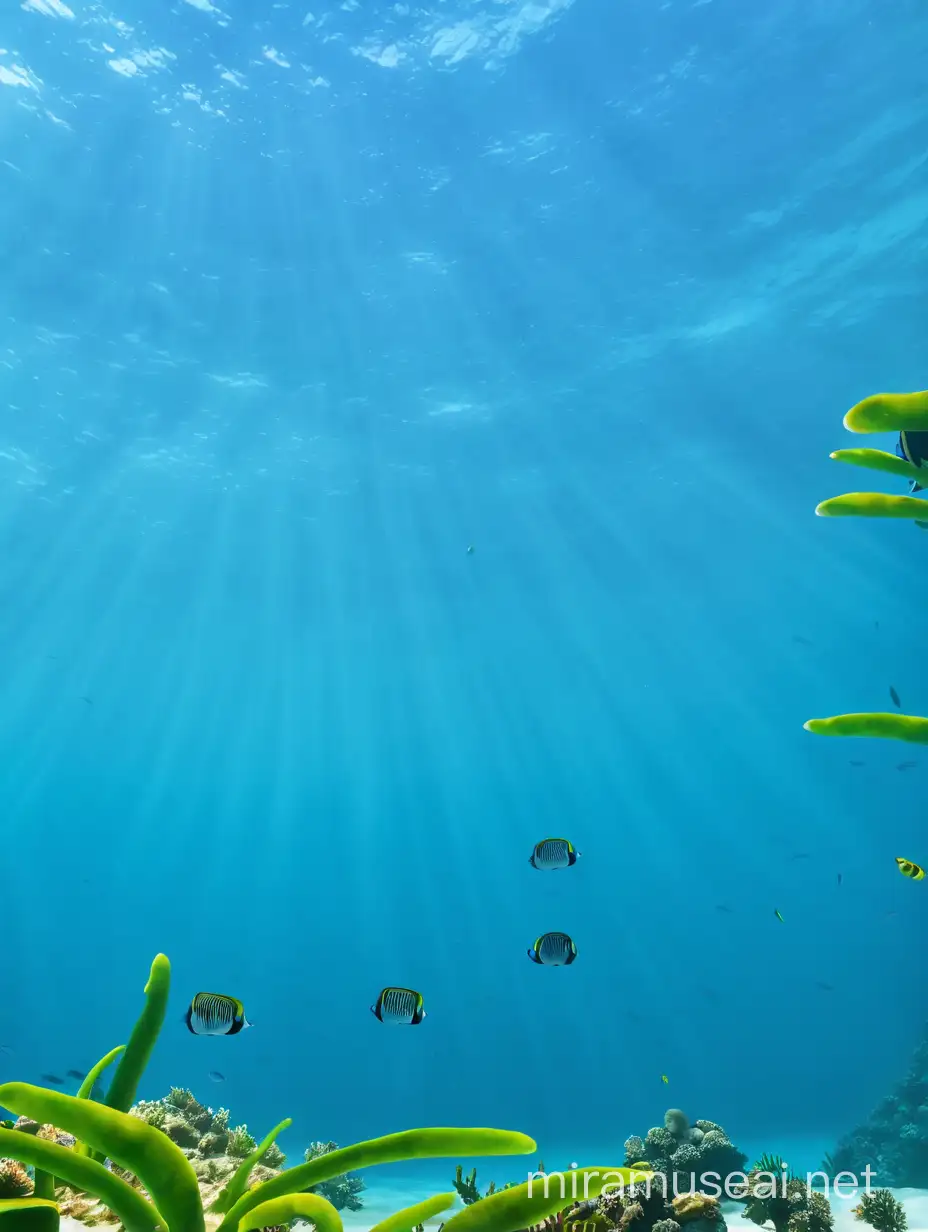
(412, 423)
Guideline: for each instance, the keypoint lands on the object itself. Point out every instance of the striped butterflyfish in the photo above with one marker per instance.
(553, 853)
(399, 1007)
(908, 869)
(553, 950)
(913, 448)
(211, 1013)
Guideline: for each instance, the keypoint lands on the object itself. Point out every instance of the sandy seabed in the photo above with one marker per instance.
(383, 1200)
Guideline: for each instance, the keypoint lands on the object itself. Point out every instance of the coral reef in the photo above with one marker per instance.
(893, 1141)
(344, 1192)
(789, 1203)
(881, 1211)
(15, 1181)
(685, 1153)
(214, 1148)
(652, 1205)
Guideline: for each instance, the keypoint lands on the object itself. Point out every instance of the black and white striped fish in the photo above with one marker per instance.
(212, 1013)
(553, 950)
(399, 1006)
(553, 853)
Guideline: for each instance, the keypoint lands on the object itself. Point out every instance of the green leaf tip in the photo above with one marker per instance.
(439, 1143)
(124, 1087)
(889, 413)
(129, 1141)
(879, 725)
(86, 1087)
(879, 460)
(544, 1194)
(872, 505)
(412, 1216)
(317, 1210)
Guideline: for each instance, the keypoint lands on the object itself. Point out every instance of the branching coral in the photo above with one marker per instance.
(214, 1150)
(344, 1192)
(786, 1202)
(15, 1181)
(882, 1211)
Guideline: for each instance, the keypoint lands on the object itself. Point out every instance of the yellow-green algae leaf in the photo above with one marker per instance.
(147, 1152)
(318, 1211)
(523, 1206)
(411, 1216)
(80, 1173)
(124, 1086)
(889, 413)
(880, 460)
(872, 505)
(908, 727)
(86, 1087)
(239, 1182)
(83, 1091)
(28, 1215)
(392, 1148)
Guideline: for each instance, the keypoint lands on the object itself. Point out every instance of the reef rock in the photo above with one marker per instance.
(893, 1141)
(692, 1156)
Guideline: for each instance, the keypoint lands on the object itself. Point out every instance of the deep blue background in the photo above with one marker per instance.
(592, 299)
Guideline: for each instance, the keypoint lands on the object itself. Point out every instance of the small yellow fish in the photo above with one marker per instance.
(908, 869)
(665, 1080)
(779, 917)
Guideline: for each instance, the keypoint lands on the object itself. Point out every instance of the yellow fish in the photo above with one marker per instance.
(779, 917)
(665, 1079)
(908, 869)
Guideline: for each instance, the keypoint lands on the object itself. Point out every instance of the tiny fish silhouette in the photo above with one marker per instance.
(823, 986)
(800, 640)
(840, 878)
(799, 855)
(87, 700)
(77, 1073)
(858, 763)
(470, 549)
(216, 1076)
(721, 907)
(665, 1080)
(907, 765)
(895, 696)
(776, 912)
(53, 1078)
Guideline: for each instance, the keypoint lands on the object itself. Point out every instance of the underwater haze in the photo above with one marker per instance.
(413, 419)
